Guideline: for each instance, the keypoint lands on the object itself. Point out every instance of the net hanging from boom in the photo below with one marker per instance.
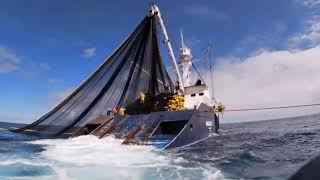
(136, 66)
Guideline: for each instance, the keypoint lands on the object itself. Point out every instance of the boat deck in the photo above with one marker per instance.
(159, 129)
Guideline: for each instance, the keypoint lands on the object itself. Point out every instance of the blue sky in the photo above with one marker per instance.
(48, 47)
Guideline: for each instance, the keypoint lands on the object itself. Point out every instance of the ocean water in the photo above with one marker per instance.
(254, 150)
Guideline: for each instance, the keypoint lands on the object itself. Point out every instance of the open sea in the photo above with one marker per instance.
(273, 149)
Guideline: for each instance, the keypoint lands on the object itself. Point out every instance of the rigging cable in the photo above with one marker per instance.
(271, 108)
(198, 73)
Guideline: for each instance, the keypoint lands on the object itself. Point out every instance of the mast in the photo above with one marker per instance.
(154, 10)
(186, 60)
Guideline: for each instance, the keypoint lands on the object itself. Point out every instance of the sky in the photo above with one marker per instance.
(266, 53)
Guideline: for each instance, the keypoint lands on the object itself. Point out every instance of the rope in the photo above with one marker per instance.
(198, 73)
(270, 108)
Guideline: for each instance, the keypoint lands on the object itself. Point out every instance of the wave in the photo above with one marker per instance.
(88, 157)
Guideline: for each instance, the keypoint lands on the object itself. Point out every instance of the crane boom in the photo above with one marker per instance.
(154, 10)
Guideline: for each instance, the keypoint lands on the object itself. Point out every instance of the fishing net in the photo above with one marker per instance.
(136, 66)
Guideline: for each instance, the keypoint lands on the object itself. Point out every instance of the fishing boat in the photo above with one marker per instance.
(132, 97)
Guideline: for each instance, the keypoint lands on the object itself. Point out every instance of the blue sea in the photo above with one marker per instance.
(273, 149)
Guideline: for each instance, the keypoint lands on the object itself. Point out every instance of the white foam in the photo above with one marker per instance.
(88, 157)
(11, 161)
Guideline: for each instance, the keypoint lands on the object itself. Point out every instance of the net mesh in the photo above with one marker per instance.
(136, 66)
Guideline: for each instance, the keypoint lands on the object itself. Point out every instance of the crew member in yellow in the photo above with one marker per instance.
(142, 97)
(121, 111)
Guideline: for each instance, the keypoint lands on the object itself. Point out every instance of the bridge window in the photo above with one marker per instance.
(201, 94)
(193, 95)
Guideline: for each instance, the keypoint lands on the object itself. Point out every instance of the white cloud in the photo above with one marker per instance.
(206, 12)
(89, 53)
(310, 36)
(270, 78)
(255, 42)
(43, 104)
(309, 3)
(9, 61)
(311, 33)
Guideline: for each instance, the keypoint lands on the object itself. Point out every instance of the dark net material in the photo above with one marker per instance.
(136, 66)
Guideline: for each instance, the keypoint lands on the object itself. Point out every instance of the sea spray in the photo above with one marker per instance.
(88, 157)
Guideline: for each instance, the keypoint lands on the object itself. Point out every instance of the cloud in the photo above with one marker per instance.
(311, 33)
(269, 78)
(33, 70)
(310, 36)
(9, 61)
(257, 74)
(203, 11)
(256, 42)
(309, 3)
(89, 53)
(43, 105)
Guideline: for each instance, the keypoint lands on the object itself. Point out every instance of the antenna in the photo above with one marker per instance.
(183, 45)
(186, 61)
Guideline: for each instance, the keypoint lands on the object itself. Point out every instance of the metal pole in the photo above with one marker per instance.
(154, 10)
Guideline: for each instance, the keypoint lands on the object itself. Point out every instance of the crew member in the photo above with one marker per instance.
(109, 111)
(142, 97)
(216, 123)
(114, 110)
(216, 119)
(198, 83)
(121, 111)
